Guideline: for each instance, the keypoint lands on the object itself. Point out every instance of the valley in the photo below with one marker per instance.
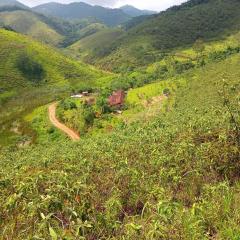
(120, 123)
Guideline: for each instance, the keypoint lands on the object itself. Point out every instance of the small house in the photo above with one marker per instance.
(117, 98)
(77, 96)
(85, 94)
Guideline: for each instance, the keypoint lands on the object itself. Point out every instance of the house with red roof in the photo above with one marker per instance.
(117, 98)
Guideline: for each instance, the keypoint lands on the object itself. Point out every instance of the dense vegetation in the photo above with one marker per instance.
(31, 69)
(164, 165)
(173, 177)
(175, 28)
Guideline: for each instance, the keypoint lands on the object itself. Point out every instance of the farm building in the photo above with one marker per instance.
(117, 98)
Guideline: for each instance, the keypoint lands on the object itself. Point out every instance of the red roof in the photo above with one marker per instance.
(117, 98)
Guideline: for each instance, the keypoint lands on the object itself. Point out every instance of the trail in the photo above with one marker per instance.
(52, 117)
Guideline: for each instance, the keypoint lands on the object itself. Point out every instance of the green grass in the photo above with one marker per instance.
(87, 46)
(173, 177)
(45, 131)
(146, 92)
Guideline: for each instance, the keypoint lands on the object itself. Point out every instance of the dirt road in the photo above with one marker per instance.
(52, 116)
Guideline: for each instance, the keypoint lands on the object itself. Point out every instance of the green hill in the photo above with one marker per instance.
(92, 46)
(32, 74)
(90, 29)
(28, 23)
(179, 26)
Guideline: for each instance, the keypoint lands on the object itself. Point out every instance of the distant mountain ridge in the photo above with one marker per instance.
(11, 3)
(179, 26)
(48, 29)
(80, 10)
(135, 12)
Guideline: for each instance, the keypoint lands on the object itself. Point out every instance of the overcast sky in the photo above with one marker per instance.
(157, 5)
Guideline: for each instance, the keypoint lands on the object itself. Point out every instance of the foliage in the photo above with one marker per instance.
(68, 105)
(168, 178)
(167, 167)
(199, 46)
(78, 115)
(177, 27)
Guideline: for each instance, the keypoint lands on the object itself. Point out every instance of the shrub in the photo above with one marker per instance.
(166, 91)
(68, 105)
(30, 68)
(88, 114)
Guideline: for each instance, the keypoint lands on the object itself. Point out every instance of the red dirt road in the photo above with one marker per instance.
(52, 117)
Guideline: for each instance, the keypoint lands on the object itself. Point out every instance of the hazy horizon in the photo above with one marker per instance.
(141, 4)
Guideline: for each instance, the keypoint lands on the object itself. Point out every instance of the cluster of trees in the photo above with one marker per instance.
(184, 24)
(223, 54)
(79, 117)
(140, 78)
(30, 68)
(171, 67)
(177, 27)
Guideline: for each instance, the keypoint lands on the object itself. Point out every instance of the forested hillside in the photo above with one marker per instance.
(178, 27)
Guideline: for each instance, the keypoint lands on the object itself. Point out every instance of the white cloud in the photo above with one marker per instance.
(157, 5)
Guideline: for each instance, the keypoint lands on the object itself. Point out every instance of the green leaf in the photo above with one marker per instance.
(42, 216)
(53, 234)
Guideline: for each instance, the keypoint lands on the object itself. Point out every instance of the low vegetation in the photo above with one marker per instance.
(174, 177)
(165, 164)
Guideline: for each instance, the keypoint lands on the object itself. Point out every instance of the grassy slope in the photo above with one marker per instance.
(176, 177)
(19, 94)
(90, 29)
(30, 24)
(50, 30)
(85, 47)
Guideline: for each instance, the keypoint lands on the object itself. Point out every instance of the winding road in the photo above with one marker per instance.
(52, 117)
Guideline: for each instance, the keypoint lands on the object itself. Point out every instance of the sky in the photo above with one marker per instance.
(157, 5)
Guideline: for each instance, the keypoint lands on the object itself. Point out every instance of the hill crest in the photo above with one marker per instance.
(79, 10)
